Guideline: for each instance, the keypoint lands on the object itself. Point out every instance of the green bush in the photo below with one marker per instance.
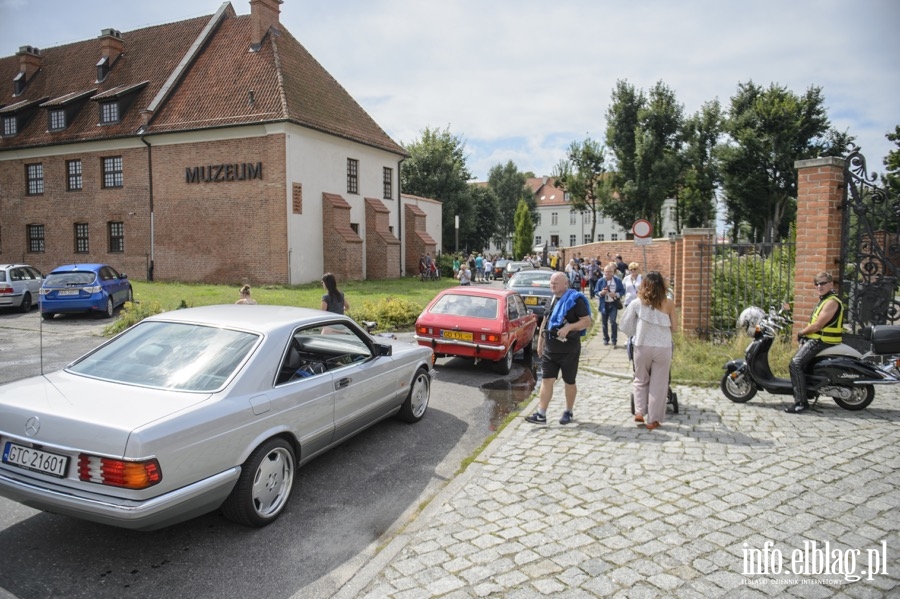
(391, 313)
(131, 314)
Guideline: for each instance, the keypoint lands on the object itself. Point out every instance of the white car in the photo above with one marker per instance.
(20, 286)
(198, 409)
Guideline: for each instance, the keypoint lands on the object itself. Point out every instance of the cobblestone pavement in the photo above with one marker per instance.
(712, 504)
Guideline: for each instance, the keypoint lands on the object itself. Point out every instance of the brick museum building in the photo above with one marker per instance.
(215, 149)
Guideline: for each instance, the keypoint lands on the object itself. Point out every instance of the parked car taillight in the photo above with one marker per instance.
(5, 289)
(118, 473)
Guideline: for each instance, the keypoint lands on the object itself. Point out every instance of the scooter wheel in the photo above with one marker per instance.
(739, 389)
(860, 398)
(673, 399)
(632, 404)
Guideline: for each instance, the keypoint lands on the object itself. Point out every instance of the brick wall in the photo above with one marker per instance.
(418, 241)
(225, 231)
(382, 246)
(820, 193)
(343, 247)
(58, 210)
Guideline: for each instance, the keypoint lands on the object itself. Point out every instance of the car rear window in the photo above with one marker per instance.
(2, 276)
(166, 355)
(528, 280)
(466, 305)
(68, 279)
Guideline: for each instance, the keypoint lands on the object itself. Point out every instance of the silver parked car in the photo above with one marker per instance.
(20, 286)
(198, 409)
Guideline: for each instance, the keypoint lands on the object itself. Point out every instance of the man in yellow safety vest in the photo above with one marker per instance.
(826, 325)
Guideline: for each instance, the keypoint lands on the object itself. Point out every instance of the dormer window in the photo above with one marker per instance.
(57, 118)
(102, 69)
(109, 112)
(10, 126)
(19, 83)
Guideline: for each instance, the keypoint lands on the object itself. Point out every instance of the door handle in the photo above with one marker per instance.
(342, 383)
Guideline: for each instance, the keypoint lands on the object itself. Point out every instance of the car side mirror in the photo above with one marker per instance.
(384, 349)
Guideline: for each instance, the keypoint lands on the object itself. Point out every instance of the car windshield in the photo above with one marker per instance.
(67, 279)
(166, 355)
(527, 279)
(466, 305)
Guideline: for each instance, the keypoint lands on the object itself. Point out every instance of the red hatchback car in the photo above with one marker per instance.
(483, 323)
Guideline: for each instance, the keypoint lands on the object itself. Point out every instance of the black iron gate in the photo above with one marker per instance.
(734, 276)
(870, 252)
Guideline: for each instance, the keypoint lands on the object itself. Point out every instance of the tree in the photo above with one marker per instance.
(524, 233)
(487, 214)
(770, 129)
(509, 187)
(700, 174)
(582, 175)
(437, 169)
(643, 134)
(892, 164)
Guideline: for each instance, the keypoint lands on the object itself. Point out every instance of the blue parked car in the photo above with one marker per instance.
(97, 288)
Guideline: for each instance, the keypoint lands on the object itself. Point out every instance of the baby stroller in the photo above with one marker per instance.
(671, 396)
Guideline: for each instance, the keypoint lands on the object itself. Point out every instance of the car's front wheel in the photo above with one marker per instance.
(47, 315)
(264, 486)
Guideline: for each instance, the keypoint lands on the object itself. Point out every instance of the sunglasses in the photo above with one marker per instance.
(820, 283)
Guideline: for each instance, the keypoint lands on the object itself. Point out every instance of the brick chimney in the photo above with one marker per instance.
(264, 15)
(111, 44)
(30, 62)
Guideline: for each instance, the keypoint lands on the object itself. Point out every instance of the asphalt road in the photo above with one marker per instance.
(343, 503)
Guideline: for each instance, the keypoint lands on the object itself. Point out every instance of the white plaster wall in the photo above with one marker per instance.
(318, 161)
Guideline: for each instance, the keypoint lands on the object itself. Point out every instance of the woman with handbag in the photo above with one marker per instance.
(610, 291)
(651, 321)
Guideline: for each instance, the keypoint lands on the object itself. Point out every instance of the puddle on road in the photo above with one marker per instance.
(504, 396)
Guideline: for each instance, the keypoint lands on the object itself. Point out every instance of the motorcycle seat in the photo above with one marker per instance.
(841, 349)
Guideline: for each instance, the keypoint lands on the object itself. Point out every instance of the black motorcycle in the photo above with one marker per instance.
(839, 372)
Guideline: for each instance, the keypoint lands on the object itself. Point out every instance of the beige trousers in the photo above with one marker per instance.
(651, 381)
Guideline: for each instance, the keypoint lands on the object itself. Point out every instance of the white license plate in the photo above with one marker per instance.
(69, 292)
(35, 459)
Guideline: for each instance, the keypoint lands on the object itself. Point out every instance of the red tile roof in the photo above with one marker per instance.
(225, 84)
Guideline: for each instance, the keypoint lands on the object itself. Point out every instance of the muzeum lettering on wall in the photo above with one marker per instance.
(217, 173)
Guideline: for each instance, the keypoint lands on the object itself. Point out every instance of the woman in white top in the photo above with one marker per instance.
(651, 321)
(632, 282)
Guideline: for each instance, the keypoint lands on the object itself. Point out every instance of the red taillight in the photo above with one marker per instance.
(491, 338)
(118, 473)
(5, 289)
(423, 330)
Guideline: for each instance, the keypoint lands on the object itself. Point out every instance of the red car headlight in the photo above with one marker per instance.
(119, 473)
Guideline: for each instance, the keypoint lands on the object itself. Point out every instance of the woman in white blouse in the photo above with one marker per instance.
(651, 321)
(632, 282)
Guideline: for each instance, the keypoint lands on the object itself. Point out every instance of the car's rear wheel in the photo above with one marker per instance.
(26, 304)
(505, 364)
(417, 401)
(264, 486)
(110, 310)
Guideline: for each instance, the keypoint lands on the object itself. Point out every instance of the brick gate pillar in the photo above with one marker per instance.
(693, 299)
(820, 195)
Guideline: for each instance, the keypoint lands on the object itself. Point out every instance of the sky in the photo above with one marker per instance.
(521, 80)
